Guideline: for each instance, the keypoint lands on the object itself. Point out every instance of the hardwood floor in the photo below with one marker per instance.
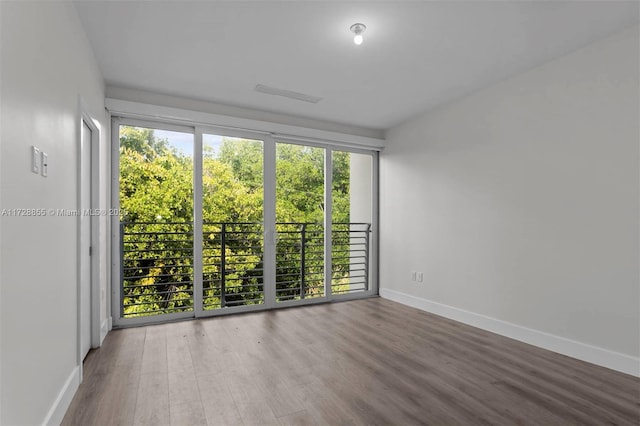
(370, 361)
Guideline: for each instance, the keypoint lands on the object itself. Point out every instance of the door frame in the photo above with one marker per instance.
(328, 185)
(116, 261)
(269, 218)
(85, 117)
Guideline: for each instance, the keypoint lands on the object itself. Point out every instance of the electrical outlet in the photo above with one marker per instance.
(413, 275)
(420, 277)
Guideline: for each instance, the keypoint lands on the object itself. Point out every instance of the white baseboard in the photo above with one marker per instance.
(104, 328)
(582, 351)
(62, 402)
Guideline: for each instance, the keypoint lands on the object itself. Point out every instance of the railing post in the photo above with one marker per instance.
(303, 243)
(223, 264)
(121, 269)
(366, 257)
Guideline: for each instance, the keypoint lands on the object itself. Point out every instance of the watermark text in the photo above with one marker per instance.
(61, 212)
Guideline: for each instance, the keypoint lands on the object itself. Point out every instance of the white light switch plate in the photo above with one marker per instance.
(35, 160)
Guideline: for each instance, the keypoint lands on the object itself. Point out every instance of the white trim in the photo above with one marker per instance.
(233, 133)
(63, 400)
(328, 223)
(323, 143)
(197, 167)
(374, 249)
(155, 125)
(153, 319)
(1, 203)
(115, 278)
(194, 118)
(582, 351)
(108, 249)
(95, 339)
(240, 309)
(269, 220)
(96, 244)
(104, 328)
(353, 295)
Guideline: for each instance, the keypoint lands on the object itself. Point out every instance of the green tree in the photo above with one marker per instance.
(156, 194)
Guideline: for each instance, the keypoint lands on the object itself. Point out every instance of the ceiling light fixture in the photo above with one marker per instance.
(357, 30)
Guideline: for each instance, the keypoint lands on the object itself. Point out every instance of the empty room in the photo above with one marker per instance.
(319, 212)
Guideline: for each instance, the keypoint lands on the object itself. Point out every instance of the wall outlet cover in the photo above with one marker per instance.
(44, 169)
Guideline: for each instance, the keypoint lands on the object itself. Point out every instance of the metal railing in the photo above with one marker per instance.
(157, 264)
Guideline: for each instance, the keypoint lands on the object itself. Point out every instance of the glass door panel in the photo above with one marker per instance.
(156, 224)
(351, 196)
(299, 222)
(232, 222)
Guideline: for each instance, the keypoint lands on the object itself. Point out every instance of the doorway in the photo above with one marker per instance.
(85, 240)
(88, 251)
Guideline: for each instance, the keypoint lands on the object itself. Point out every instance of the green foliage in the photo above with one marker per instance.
(156, 192)
(143, 142)
(245, 159)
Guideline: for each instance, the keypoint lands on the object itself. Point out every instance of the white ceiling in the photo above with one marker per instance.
(416, 55)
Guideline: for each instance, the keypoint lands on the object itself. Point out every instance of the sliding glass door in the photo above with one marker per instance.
(352, 219)
(232, 222)
(300, 199)
(218, 221)
(324, 222)
(156, 221)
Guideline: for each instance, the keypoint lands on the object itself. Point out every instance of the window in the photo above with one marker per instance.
(216, 221)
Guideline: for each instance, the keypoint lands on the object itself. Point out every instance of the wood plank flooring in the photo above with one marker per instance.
(369, 361)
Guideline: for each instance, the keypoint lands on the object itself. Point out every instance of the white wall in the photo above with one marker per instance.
(46, 65)
(360, 211)
(360, 187)
(520, 204)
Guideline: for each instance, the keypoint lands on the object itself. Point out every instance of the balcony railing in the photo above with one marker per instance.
(157, 264)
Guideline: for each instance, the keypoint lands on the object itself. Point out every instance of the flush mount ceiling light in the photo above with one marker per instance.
(357, 30)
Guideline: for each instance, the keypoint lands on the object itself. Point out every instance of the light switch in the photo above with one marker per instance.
(35, 160)
(45, 164)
